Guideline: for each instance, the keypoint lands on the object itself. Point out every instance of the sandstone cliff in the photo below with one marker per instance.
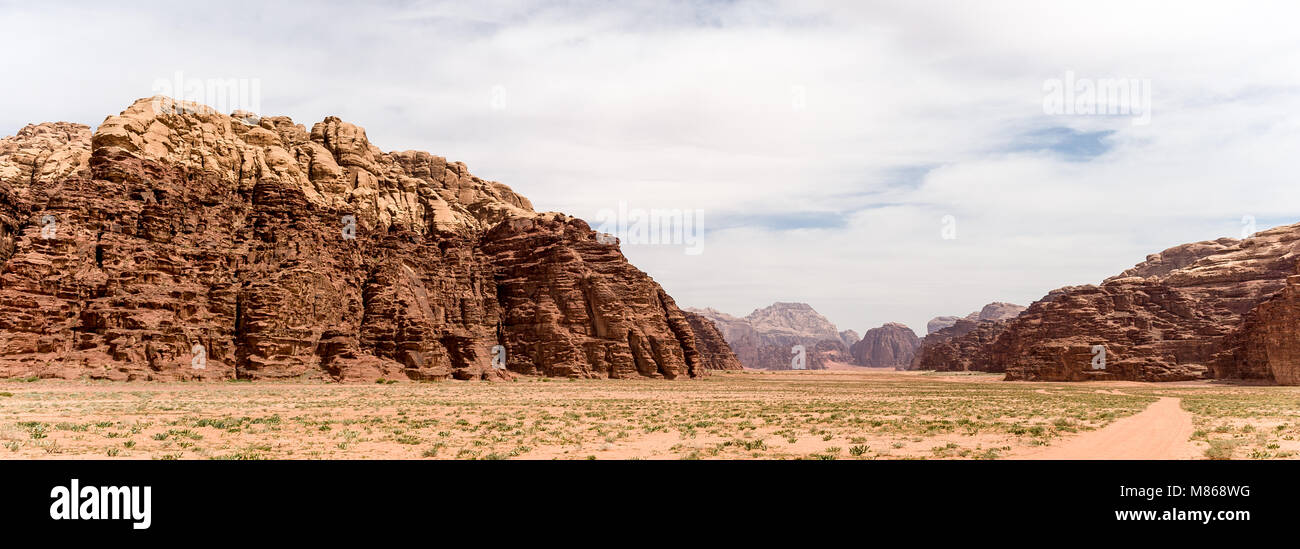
(717, 355)
(1165, 319)
(892, 344)
(997, 310)
(963, 344)
(1266, 346)
(940, 322)
(180, 243)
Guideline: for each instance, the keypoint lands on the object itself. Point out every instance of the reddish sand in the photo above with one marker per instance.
(1159, 432)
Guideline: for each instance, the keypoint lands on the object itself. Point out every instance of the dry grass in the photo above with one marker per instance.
(1244, 422)
(788, 415)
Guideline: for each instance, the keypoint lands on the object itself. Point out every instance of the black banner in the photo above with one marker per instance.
(216, 500)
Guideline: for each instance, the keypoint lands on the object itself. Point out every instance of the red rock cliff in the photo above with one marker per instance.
(175, 237)
(1165, 319)
(1266, 346)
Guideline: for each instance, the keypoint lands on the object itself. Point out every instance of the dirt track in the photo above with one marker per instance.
(1159, 432)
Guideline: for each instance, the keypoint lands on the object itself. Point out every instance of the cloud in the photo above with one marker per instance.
(824, 140)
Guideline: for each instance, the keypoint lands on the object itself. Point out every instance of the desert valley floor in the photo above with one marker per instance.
(843, 413)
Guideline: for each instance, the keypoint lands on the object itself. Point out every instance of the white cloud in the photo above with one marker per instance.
(692, 106)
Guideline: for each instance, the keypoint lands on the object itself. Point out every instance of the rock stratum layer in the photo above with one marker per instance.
(997, 310)
(1267, 344)
(1166, 319)
(963, 344)
(962, 347)
(767, 338)
(179, 243)
(1221, 308)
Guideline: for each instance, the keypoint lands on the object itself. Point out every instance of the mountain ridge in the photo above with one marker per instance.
(175, 242)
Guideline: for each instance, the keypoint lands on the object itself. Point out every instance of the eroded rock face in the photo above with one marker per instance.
(998, 310)
(1266, 347)
(963, 344)
(575, 307)
(892, 344)
(962, 347)
(1163, 320)
(940, 322)
(180, 243)
(711, 344)
(30, 162)
(768, 338)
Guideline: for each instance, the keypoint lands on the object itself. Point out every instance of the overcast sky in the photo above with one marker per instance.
(825, 142)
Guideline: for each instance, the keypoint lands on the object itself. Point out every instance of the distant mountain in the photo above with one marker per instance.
(893, 344)
(766, 338)
(849, 337)
(993, 311)
(940, 322)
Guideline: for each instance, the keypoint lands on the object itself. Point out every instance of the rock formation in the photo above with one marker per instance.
(892, 344)
(849, 337)
(997, 310)
(940, 322)
(962, 347)
(716, 354)
(180, 243)
(766, 338)
(1266, 346)
(1165, 319)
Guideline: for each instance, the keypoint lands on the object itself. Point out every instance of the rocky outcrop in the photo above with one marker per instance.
(768, 338)
(717, 355)
(962, 347)
(997, 310)
(1165, 319)
(892, 344)
(180, 243)
(849, 337)
(38, 156)
(1266, 346)
(963, 344)
(940, 322)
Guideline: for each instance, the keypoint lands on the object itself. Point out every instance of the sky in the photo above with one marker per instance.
(880, 161)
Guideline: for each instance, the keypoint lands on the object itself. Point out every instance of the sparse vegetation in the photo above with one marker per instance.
(765, 415)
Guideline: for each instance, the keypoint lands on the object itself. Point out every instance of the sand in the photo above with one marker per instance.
(844, 413)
